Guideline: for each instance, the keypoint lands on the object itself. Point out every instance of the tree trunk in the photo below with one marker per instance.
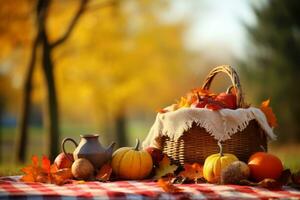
(1, 124)
(121, 128)
(52, 119)
(26, 105)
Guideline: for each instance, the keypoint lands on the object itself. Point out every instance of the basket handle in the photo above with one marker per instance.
(227, 69)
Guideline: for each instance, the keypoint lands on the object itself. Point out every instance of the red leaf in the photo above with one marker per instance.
(105, 172)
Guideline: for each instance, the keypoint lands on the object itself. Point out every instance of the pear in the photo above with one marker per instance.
(82, 169)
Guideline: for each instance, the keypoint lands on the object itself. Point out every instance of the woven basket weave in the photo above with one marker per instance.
(196, 144)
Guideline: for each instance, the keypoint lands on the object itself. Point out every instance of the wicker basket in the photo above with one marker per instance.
(196, 144)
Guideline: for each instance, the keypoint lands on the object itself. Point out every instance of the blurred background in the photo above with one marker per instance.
(106, 66)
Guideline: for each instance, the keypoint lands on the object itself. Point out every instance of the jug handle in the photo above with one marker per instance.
(63, 147)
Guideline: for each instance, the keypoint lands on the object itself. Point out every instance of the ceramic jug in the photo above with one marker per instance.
(90, 148)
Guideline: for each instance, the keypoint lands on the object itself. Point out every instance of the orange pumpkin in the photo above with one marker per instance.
(131, 163)
(264, 165)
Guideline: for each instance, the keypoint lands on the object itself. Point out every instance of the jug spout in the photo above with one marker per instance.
(110, 148)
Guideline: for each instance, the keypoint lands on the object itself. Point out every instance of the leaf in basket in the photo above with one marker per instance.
(161, 110)
(183, 103)
(164, 168)
(104, 173)
(202, 92)
(192, 171)
(267, 110)
(167, 186)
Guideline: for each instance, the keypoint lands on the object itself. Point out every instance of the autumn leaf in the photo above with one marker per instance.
(35, 161)
(202, 92)
(31, 171)
(167, 186)
(161, 110)
(46, 164)
(183, 103)
(270, 184)
(192, 171)
(164, 168)
(45, 173)
(104, 173)
(296, 178)
(267, 110)
(266, 183)
(61, 176)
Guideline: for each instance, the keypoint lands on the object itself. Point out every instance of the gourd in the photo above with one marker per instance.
(264, 165)
(131, 163)
(215, 163)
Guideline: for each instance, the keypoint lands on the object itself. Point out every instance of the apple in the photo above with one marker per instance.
(228, 99)
(199, 104)
(156, 154)
(62, 161)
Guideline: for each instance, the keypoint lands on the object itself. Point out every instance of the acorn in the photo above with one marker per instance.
(82, 169)
(235, 172)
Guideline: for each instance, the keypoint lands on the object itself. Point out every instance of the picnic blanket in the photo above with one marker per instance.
(11, 188)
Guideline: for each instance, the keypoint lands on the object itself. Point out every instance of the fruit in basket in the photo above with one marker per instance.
(131, 163)
(264, 165)
(82, 169)
(235, 172)
(215, 163)
(156, 154)
(62, 161)
(227, 99)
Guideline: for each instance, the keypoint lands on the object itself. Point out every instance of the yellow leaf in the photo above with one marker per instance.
(165, 168)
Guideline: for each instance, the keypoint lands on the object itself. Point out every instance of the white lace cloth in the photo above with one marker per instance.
(220, 124)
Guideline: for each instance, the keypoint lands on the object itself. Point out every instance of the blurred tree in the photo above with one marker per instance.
(124, 58)
(134, 62)
(46, 47)
(273, 66)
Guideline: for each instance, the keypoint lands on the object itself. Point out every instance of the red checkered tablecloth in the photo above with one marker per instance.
(11, 188)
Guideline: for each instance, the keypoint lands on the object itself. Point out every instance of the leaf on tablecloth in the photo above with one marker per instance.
(31, 172)
(167, 186)
(285, 177)
(296, 178)
(80, 182)
(104, 173)
(46, 164)
(270, 184)
(61, 176)
(164, 168)
(192, 171)
(267, 110)
(45, 172)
